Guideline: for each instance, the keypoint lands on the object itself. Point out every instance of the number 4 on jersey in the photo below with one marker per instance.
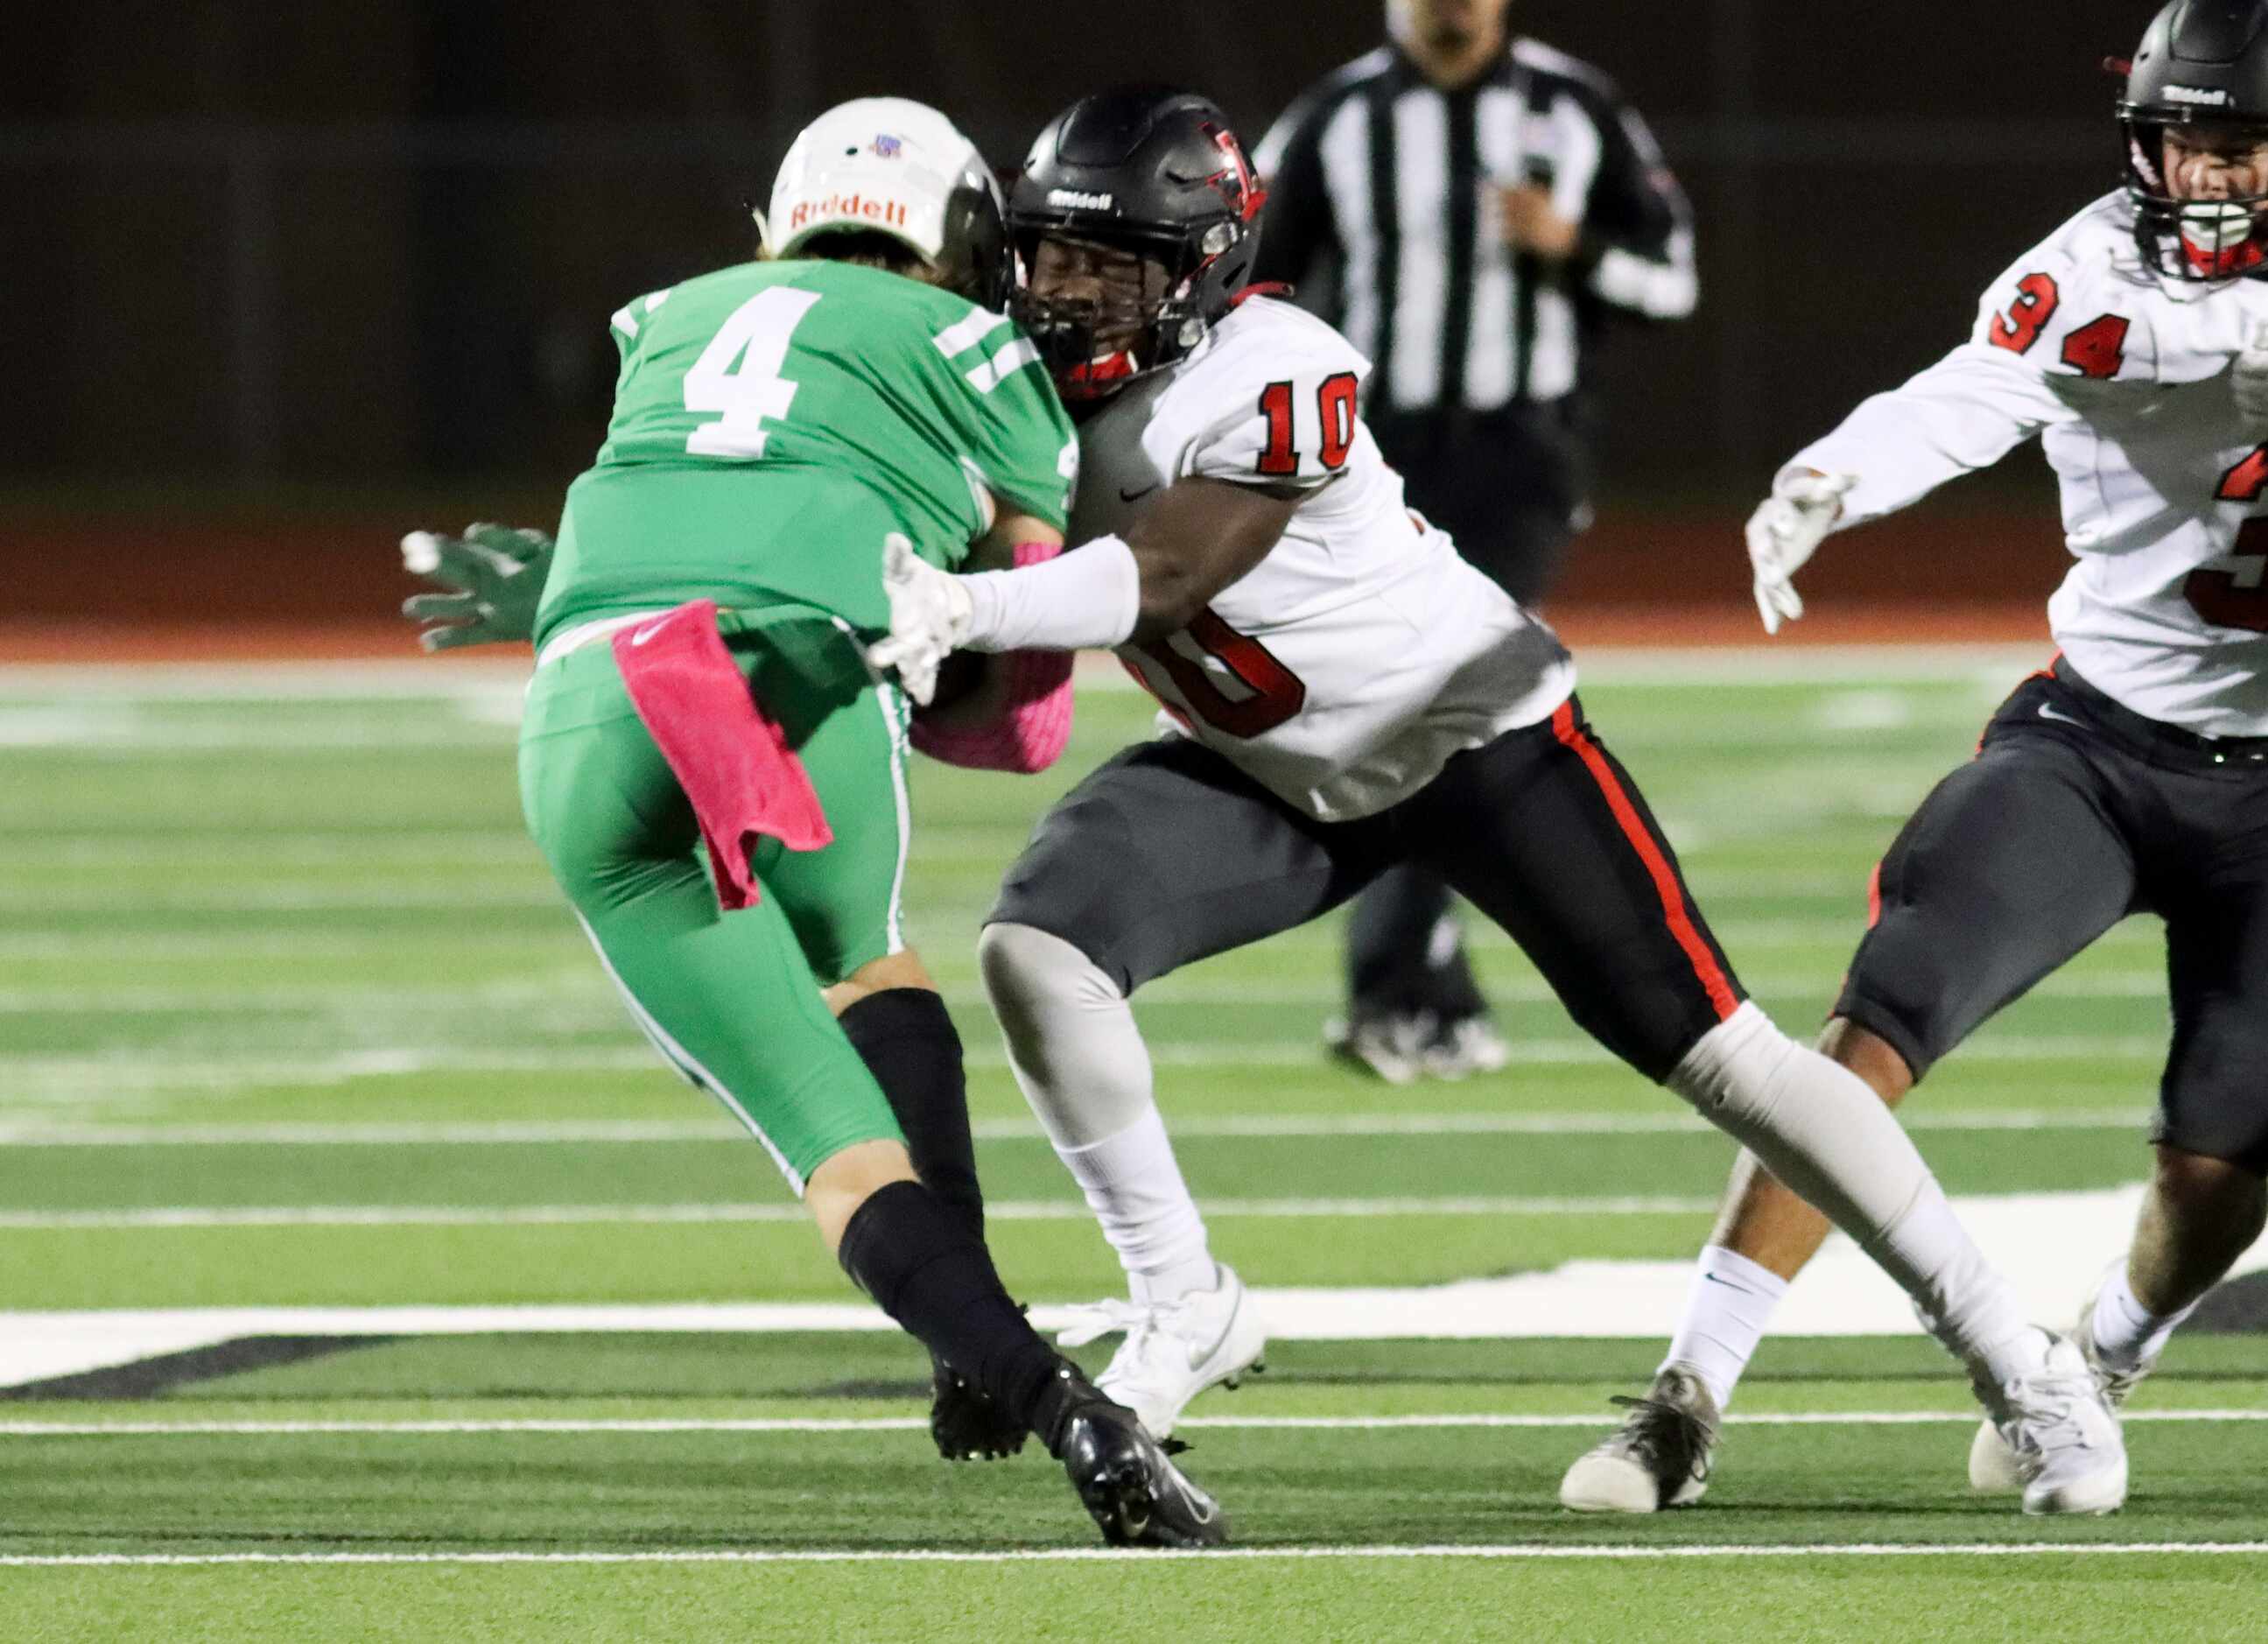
(2097, 348)
(739, 373)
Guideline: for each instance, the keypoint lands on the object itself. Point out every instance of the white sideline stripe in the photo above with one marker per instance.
(1323, 998)
(2039, 1239)
(576, 1215)
(412, 677)
(1214, 1127)
(919, 1424)
(1089, 1555)
(99, 1072)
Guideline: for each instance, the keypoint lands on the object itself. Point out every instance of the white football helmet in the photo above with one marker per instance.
(889, 165)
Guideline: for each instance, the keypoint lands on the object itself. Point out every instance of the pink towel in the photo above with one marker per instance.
(730, 756)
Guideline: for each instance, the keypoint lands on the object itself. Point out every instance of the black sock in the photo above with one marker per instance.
(906, 1038)
(909, 1252)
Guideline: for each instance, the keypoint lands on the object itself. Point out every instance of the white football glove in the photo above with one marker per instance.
(1784, 533)
(929, 618)
(2247, 379)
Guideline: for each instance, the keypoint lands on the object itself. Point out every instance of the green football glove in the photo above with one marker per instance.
(497, 574)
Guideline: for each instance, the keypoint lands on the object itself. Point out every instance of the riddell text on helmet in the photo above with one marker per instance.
(863, 207)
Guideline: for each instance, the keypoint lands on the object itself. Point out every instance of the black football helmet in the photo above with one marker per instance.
(1149, 170)
(2203, 64)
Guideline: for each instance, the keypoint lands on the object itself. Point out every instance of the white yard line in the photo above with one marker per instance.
(1825, 668)
(1198, 1127)
(1642, 1551)
(601, 1215)
(569, 1427)
(49, 1077)
(575, 987)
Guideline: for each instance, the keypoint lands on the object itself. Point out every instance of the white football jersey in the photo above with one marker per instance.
(1345, 670)
(2125, 377)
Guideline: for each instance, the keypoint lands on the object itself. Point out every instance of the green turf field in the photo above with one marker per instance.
(290, 1019)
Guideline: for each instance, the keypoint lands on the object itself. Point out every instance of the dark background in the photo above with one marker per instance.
(371, 248)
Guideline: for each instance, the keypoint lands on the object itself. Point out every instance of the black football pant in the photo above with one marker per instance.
(2075, 813)
(1168, 854)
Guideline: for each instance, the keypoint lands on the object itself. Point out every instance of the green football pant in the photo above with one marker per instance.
(732, 999)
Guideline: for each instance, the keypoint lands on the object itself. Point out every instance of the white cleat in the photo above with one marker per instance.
(1659, 1456)
(1174, 1349)
(2060, 1431)
(1464, 1047)
(1391, 1047)
(1993, 1468)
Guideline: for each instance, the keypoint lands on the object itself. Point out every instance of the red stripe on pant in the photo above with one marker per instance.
(1666, 884)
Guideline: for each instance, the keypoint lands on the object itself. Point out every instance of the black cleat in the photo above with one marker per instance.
(1136, 1495)
(967, 1426)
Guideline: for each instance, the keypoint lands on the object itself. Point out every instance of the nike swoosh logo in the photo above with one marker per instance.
(649, 631)
(1127, 495)
(1201, 1507)
(2047, 713)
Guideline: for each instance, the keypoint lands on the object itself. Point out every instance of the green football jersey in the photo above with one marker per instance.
(774, 422)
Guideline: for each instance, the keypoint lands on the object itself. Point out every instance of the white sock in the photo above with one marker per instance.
(1727, 1313)
(2127, 1335)
(1134, 1186)
(1081, 1064)
(1820, 1129)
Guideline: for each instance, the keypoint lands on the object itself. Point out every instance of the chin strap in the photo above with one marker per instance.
(2223, 265)
(1099, 377)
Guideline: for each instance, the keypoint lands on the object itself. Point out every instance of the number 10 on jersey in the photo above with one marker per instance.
(1334, 409)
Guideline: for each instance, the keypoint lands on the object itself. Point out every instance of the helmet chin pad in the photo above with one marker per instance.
(2220, 239)
(1099, 378)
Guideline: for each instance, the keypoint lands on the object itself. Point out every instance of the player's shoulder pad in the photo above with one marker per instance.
(1251, 402)
(1262, 340)
(2077, 303)
(1270, 337)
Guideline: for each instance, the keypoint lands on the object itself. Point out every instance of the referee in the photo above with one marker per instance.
(1470, 209)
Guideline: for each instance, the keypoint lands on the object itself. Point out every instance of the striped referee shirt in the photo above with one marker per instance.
(1382, 201)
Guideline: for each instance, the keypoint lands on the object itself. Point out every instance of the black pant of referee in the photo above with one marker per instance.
(1509, 486)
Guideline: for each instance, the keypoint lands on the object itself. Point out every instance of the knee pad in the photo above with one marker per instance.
(1024, 967)
(1071, 1034)
(1734, 1074)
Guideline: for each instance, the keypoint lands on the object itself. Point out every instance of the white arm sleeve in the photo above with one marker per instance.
(1962, 414)
(2026, 365)
(1089, 598)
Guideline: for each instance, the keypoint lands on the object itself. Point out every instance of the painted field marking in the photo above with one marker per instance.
(1012, 1210)
(1209, 1127)
(1983, 665)
(567, 1426)
(573, 987)
(2039, 1239)
(41, 1075)
(1086, 1555)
